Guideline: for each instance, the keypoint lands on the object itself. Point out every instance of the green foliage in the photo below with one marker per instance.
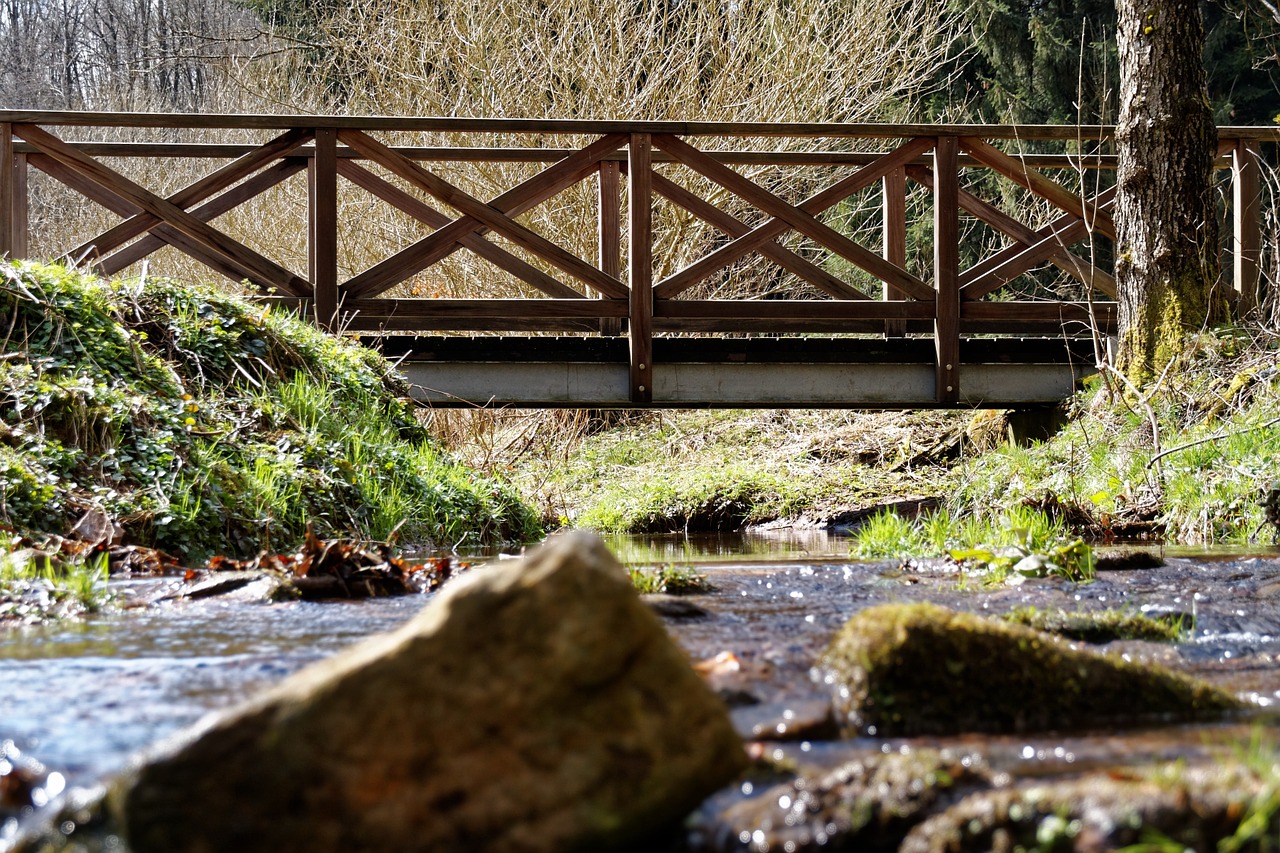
(1028, 544)
(1034, 62)
(207, 424)
(672, 580)
(35, 585)
(1022, 543)
(1217, 439)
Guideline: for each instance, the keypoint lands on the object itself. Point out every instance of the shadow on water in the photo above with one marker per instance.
(83, 696)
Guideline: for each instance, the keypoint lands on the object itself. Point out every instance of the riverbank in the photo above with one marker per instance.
(181, 418)
(1191, 459)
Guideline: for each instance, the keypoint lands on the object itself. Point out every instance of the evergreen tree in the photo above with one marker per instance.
(1055, 61)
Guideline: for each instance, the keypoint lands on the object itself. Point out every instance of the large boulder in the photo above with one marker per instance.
(911, 669)
(532, 706)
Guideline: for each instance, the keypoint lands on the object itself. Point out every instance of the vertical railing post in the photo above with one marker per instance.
(640, 225)
(894, 212)
(946, 272)
(7, 172)
(1246, 207)
(322, 244)
(21, 207)
(610, 247)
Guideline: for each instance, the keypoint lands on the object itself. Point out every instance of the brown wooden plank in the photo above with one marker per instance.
(792, 309)
(229, 200)
(21, 206)
(682, 280)
(640, 265)
(946, 272)
(794, 217)
(198, 191)
(498, 154)
(581, 126)
(322, 227)
(1026, 311)
(894, 237)
(779, 326)
(609, 232)
(1063, 258)
(1037, 183)
(120, 206)
(1246, 207)
(266, 273)
(432, 218)
(7, 195)
(479, 216)
(830, 284)
(1012, 261)
(82, 185)
(490, 308)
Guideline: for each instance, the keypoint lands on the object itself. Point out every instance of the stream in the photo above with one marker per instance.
(83, 696)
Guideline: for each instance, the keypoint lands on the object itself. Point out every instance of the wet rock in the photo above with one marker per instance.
(1126, 560)
(536, 705)
(25, 783)
(674, 607)
(800, 719)
(923, 669)
(258, 584)
(1185, 808)
(97, 529)
(1105, 626)
(863, 805)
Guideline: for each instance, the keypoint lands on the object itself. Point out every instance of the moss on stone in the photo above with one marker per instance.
(908, 669)
(1102, 626)
(1185, 808)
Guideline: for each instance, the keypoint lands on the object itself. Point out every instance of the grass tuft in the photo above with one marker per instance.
(672, 580)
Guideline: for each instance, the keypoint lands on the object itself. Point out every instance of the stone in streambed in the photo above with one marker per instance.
(866, 805)
(1169, 808)
(911, 669)
(534, 706)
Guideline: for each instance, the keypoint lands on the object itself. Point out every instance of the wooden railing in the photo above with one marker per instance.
(608, 293)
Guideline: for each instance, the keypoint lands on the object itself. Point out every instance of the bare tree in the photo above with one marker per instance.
(118, 54)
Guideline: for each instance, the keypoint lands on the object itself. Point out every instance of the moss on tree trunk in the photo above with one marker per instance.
(1166, 223)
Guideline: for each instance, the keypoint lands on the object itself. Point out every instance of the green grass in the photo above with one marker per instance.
(208, 424)
(1020, 543)
(701, 471)
(36, 585)
(672, 580)
(1198, 477)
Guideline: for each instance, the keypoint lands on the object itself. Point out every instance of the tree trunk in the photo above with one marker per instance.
(1166, 217)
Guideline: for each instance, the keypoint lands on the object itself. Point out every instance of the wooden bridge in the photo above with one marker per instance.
(843, 324)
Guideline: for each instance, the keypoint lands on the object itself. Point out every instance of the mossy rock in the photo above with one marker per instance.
(867, 804)
(1184, 808)
(1104, 626)
(910, 669)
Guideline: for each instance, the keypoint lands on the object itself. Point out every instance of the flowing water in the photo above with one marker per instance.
(81, 697)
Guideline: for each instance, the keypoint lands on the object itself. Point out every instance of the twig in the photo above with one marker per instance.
(1210, 438)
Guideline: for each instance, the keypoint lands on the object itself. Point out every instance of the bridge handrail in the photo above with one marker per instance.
(617, 153)
(588, 127)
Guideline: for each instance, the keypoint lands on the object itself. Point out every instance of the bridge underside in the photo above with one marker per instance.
(854, 373)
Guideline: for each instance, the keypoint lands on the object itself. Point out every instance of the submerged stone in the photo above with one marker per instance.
(534, 706)
(867, 804)
(923, 669)
(1176, 808)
